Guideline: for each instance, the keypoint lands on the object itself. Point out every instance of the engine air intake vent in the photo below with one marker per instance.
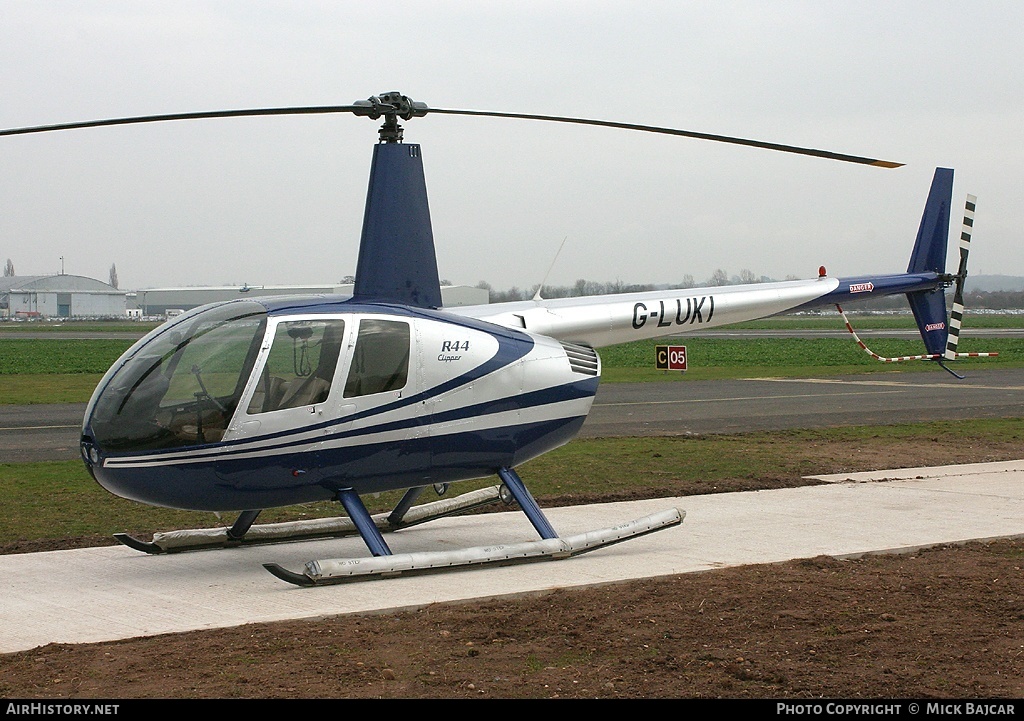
(582, 359)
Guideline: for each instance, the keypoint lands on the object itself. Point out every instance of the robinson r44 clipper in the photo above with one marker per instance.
(250, 404)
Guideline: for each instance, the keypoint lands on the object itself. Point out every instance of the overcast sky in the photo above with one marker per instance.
(280, 200)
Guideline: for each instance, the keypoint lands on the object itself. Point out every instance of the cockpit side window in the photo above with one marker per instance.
(300, 366)
(380, 361)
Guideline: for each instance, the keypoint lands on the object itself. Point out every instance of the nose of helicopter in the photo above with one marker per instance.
(202, 477)
(169, 397)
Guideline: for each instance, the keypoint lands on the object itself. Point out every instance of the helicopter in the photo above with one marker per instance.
(255, 403)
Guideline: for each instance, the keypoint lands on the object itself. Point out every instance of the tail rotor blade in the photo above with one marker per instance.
(957, 314)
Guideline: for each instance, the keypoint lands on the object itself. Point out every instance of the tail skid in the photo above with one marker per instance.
(937, 357)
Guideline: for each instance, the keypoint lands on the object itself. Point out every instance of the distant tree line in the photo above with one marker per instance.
(973, 300)
(579, 288)
(583, 287)
(985, 300)
(994, 300)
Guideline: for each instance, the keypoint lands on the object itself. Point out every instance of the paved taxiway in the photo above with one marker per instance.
(109, 593)
(736, 406)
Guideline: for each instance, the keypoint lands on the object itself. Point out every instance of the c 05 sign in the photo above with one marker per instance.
(670, 357)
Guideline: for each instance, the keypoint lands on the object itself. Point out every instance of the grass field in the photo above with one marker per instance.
(832, 321)
(57, 327)
(716, 358)
(58, 500)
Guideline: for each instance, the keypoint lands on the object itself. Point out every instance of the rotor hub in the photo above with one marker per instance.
(391, 106)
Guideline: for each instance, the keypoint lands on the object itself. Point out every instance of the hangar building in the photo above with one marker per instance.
(59, 296)
(164, 301)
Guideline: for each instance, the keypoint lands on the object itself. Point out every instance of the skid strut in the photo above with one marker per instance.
(550, 547)
(245, 532)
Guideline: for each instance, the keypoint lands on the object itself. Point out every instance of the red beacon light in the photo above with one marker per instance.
(822, 272)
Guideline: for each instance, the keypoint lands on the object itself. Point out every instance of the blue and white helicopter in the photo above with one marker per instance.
(257, 403)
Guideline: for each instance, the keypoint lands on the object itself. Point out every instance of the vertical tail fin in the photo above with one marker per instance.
(929, 307)
(933, 233)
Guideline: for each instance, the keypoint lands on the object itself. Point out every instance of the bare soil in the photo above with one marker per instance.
(945, 622)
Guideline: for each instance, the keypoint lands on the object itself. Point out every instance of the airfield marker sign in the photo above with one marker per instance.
(670, 357)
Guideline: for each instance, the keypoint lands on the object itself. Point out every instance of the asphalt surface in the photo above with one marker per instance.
(50, 432)
(735, 406)
(40, 432)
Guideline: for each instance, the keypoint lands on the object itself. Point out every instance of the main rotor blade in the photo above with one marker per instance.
(374, 108)
(685, 133)
(311, 110)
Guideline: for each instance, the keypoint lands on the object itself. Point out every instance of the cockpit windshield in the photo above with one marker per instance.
(182, 386)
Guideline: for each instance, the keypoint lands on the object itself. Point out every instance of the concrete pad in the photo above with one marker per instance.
(103, 594)
(943, 471)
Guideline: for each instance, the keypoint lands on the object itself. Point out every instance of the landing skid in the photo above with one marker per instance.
(549, 548)
(327, 572)
(266, 533)
(383, 563)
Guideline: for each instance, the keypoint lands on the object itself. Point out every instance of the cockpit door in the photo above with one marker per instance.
(286, 408)
(383, 445)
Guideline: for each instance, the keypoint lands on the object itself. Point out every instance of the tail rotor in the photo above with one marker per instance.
(957, 313)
